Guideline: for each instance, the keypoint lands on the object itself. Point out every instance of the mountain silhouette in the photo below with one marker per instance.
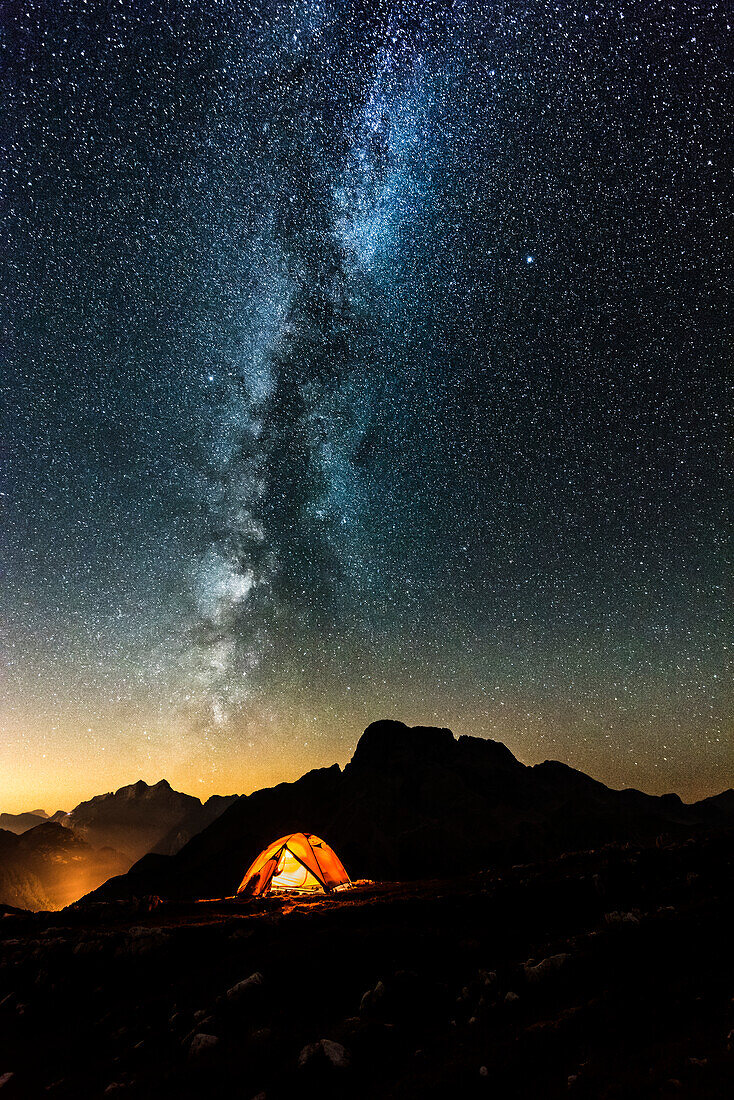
(196, 819)
(419, 803)
(134, 818)
(49, 862)
(21, 823)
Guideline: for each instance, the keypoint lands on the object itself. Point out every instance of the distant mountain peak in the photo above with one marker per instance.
(141, 789)
(21, 823)
(133, 818)
(390, 744)
(387, 743)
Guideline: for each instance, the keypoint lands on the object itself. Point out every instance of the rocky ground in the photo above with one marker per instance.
(606, 974)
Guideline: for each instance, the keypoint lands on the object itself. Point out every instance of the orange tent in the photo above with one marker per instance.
(300, 861)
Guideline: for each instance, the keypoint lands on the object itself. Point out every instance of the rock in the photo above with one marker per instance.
(405, 999)
(372, 997)
(142, 942)
(324, 1049)
(511, 997)
(203, 1046)
(260, 1051)
(621, 918)
(308, 1053)
(87, 947)
(544, 969)
(262, 1035)
(336, 1053)
(351, 1026)
(245, 988)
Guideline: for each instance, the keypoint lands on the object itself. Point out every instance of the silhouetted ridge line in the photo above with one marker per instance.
(417, 803)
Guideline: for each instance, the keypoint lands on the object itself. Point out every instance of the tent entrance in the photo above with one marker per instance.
(291, 874)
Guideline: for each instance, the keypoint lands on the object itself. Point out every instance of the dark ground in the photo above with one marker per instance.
(634, 998)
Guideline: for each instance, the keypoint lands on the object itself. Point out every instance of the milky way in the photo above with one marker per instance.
(362, 359)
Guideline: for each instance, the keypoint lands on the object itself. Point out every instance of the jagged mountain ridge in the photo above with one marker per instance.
(49, 862)
(21, 823)
(418, 802)
(132, 819)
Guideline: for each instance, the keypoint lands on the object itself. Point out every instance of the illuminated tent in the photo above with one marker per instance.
(299, 861)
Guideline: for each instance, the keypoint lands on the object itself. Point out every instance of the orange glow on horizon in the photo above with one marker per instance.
(55, 766)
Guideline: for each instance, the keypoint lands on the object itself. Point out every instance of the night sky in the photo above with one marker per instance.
(362, 360)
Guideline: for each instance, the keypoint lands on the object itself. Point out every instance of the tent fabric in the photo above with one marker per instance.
(299, 861)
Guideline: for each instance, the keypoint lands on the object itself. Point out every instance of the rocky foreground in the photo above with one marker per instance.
(604, 974)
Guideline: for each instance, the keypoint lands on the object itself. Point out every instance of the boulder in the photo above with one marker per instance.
(246, 988)
(326, 1052)
(538, 972)
(203, 1047)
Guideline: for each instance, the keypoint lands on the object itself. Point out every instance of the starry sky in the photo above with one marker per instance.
(362, 359)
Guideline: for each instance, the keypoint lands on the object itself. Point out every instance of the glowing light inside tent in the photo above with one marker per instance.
(292, 875)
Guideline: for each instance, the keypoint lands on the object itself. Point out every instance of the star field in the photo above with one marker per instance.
(362, 360)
